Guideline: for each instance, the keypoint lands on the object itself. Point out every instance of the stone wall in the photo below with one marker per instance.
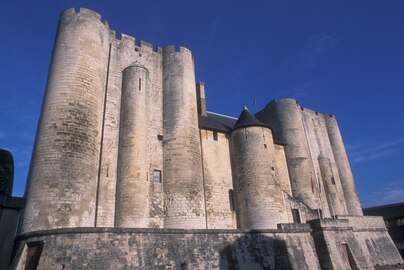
(220, 206)
(98, 248)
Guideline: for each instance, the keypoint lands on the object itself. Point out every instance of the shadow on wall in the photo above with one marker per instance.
(255, 251)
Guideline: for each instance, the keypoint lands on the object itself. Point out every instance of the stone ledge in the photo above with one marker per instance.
(86, 230)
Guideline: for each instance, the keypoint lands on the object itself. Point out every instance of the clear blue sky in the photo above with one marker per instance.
(340, 57)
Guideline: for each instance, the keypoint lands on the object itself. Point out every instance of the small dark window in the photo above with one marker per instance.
(273, 168)
(34, 252)
(296, 216)
(320, 213)
(140, 84)
(157, 176)
(215, 135)
(184, 266)
(231, 200)
(160, 137)
(333, 181)
(265, 145)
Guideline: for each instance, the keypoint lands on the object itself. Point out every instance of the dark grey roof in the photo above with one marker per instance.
(217, 122)
(387, 211)
(246, 119)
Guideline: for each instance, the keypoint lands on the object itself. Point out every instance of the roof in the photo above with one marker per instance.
(217, 122)
(387, 211)
(246, 119)
(224, 123)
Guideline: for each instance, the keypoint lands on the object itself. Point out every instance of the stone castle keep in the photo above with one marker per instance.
(129, 170)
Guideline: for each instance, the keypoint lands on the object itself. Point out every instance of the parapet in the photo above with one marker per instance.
(83, 11)
(172, 49)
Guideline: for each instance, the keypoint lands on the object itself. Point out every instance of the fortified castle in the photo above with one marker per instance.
(130, 170)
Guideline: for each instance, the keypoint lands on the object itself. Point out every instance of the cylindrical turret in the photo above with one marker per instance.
(344, 169)
(260, 202)
(61, 190)
(182, 174)
(133, 186)
(290, 129)
(336, 206)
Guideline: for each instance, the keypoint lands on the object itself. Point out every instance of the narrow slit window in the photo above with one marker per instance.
(34, 251)
(140, 84)
(296, 216)
(333, 181)
(231, 200)
(157, 176)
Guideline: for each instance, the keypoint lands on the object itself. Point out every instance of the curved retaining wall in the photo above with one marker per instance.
(108, 248)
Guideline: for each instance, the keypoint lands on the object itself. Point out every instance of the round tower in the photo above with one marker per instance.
(329, 182)
(290, 129)
(260, 202)
(61, 190)
(182, 170)
(133, 184)
(344, 169)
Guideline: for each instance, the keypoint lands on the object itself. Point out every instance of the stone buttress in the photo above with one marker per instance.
(62, 186)
(344, 169)
(132, 186)
(289, 127)
(183, 181)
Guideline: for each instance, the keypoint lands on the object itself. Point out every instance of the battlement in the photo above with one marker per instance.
(294, 102)
(173, 48)
(85, 12)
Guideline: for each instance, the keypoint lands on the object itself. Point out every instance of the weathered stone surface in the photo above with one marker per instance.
(97, 248)
(119, 146)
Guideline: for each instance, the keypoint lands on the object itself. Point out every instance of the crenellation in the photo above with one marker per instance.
(127, 40)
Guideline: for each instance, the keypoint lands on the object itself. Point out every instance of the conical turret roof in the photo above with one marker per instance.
(246, 119)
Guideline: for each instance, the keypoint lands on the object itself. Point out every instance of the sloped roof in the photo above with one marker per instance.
(217, 122)
(246, 119)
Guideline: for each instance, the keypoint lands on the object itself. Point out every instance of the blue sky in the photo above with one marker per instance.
(340, 57)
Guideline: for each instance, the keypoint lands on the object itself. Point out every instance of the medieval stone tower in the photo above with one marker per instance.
(129, 169)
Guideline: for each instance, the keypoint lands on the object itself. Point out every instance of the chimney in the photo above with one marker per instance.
(200, 98)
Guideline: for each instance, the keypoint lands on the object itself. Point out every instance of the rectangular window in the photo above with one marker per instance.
(296, 216)
(215, 136)
(140, 84)
(157, 176)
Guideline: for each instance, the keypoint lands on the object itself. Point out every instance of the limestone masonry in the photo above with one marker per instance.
(129, 170)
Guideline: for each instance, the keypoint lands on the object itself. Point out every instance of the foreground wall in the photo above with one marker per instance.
(102, 248)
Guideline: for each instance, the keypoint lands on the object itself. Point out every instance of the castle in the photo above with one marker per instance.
(129, 170)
